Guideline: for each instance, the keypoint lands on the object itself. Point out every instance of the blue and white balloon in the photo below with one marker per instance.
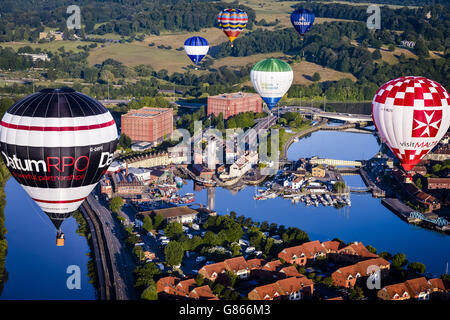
(196, 48)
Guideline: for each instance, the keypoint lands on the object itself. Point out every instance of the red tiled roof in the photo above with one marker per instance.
(236, 264)
(255, 263)
(187, 285)
(202, 293)
(269, 291)
(273, 265)
(162, 283)
(357, 248)
(218, 268)
(418, 285)
(309, 249)
(291, 271)
(331, 245)
(293, 284)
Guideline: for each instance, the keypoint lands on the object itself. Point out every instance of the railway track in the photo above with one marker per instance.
(107, 287)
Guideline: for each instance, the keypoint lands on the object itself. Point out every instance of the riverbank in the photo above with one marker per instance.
(4, 175)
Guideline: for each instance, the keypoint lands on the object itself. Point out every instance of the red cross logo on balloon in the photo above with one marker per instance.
(426, 123)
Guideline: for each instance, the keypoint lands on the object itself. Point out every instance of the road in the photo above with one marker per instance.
(121, 258)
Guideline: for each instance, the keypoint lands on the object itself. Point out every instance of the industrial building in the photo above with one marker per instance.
(148, 124)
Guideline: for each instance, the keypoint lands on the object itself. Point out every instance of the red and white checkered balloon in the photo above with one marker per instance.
(411, 114)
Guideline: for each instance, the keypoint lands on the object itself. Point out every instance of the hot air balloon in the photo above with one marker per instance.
(196, 48)
(232, 22)
(271, 78)
(302, 20)
(57, 144)
(411, 114)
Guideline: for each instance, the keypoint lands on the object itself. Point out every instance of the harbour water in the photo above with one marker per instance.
(367, 220)
(36, 266)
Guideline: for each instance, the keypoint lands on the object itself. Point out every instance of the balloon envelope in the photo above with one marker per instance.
(411, 115)
(232, 22)
(57, 144)
(302, 20)
(271, 78)
(196, 48)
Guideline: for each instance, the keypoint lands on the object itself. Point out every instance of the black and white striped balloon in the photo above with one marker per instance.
(57, 144)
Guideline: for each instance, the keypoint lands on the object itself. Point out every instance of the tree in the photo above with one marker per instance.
(339, 186)
(173, 230)
(232, 277)
(416, 267)
(385, 255)
(218, 288)
(376, 55)
(148, 225)
(174, 253)
(371, 249)
(328, 281)
(399, 260)
(421, 49)
(315, 77)
(144, 274)
(116, 204)
(124, 141)
(391, 47)
(150, 293)
(199, 280)
(158, 221)
(356, 293)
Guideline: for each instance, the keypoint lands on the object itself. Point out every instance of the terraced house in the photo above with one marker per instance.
(418, 289)
(293, 288)
(349, 276)
(308, 252)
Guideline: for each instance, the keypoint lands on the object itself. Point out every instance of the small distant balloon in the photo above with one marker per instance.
(271, 78)
(196, 48)
(302, 20)
(232, 22)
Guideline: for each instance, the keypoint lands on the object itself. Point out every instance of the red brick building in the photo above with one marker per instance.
(148, 124)
(231, 104)
(438, 183)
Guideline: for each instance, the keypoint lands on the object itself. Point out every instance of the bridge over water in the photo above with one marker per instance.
(347, 117)
(336, 162)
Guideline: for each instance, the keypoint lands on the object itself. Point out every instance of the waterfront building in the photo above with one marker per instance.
(301, 254)
(243, 164)
(349, 276)
(148, 160)
(438, 183)
(231, 104)
(148, 124)
(419, 289)
(126, 185)
(318, 171)
(353, 253)
(106, 187)
(202, 172)
(182, 214)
